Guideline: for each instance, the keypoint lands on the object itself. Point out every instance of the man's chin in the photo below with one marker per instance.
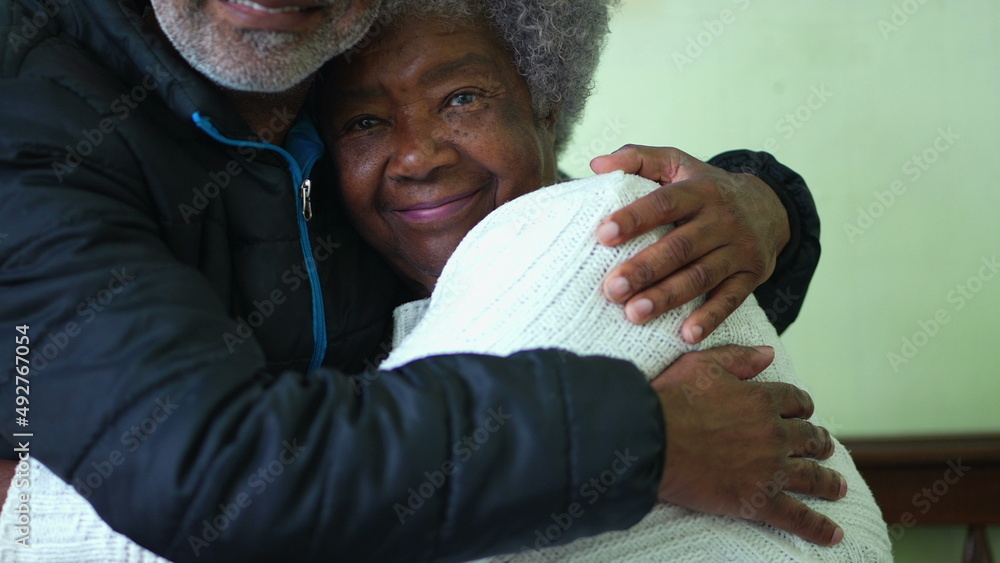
(251, 60)
(254, 82)
(258, 61)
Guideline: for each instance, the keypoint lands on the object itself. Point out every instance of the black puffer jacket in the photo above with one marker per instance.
(172, 294)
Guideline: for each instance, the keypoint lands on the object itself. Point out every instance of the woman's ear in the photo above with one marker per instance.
(551, 119)
(547, 136)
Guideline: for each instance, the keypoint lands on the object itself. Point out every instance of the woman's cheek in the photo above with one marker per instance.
(358, 162)
(357, 183)
(498, 138)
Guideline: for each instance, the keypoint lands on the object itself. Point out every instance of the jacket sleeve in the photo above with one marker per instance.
(782, 295)
(198, 453)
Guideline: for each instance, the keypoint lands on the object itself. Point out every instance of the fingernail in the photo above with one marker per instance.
(608, 231)
(618, 288)
(843, 487)
(838, 535)
(765, 350)
(694, 334)
(641, 309)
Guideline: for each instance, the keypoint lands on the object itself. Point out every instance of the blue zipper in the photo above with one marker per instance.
(300, 182)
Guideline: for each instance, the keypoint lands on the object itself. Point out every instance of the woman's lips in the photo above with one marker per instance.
(438, 209)
(270, 15)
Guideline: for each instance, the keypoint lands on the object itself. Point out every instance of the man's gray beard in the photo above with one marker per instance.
(255, 60)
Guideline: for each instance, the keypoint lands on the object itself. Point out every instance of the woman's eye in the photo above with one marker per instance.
(463, 98)
(363, 124)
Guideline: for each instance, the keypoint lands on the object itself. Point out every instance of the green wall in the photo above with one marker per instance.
(891, 111)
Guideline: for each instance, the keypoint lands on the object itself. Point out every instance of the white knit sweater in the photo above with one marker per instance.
(528, 277)
(64, 527)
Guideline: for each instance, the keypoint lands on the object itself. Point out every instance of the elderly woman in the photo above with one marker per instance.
(456, 109)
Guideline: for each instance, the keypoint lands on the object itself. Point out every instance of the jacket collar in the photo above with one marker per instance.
(117, 31)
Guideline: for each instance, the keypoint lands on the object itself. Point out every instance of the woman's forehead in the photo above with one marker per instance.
(421, 52)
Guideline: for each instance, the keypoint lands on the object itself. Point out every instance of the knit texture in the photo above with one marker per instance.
(64, 527)
(528, 277)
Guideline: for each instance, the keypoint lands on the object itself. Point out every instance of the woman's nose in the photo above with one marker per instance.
(420, 149)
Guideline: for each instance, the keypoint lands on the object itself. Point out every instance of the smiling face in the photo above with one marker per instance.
(431, 129)
(262, 45)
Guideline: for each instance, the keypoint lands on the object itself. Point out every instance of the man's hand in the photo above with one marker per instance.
(733, 447)
(730, 230)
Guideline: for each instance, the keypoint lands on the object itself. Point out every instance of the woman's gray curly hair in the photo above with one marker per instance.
(555, 44)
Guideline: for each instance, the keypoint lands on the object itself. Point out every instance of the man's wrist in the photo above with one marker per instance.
(781, 230)
(777, 177)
